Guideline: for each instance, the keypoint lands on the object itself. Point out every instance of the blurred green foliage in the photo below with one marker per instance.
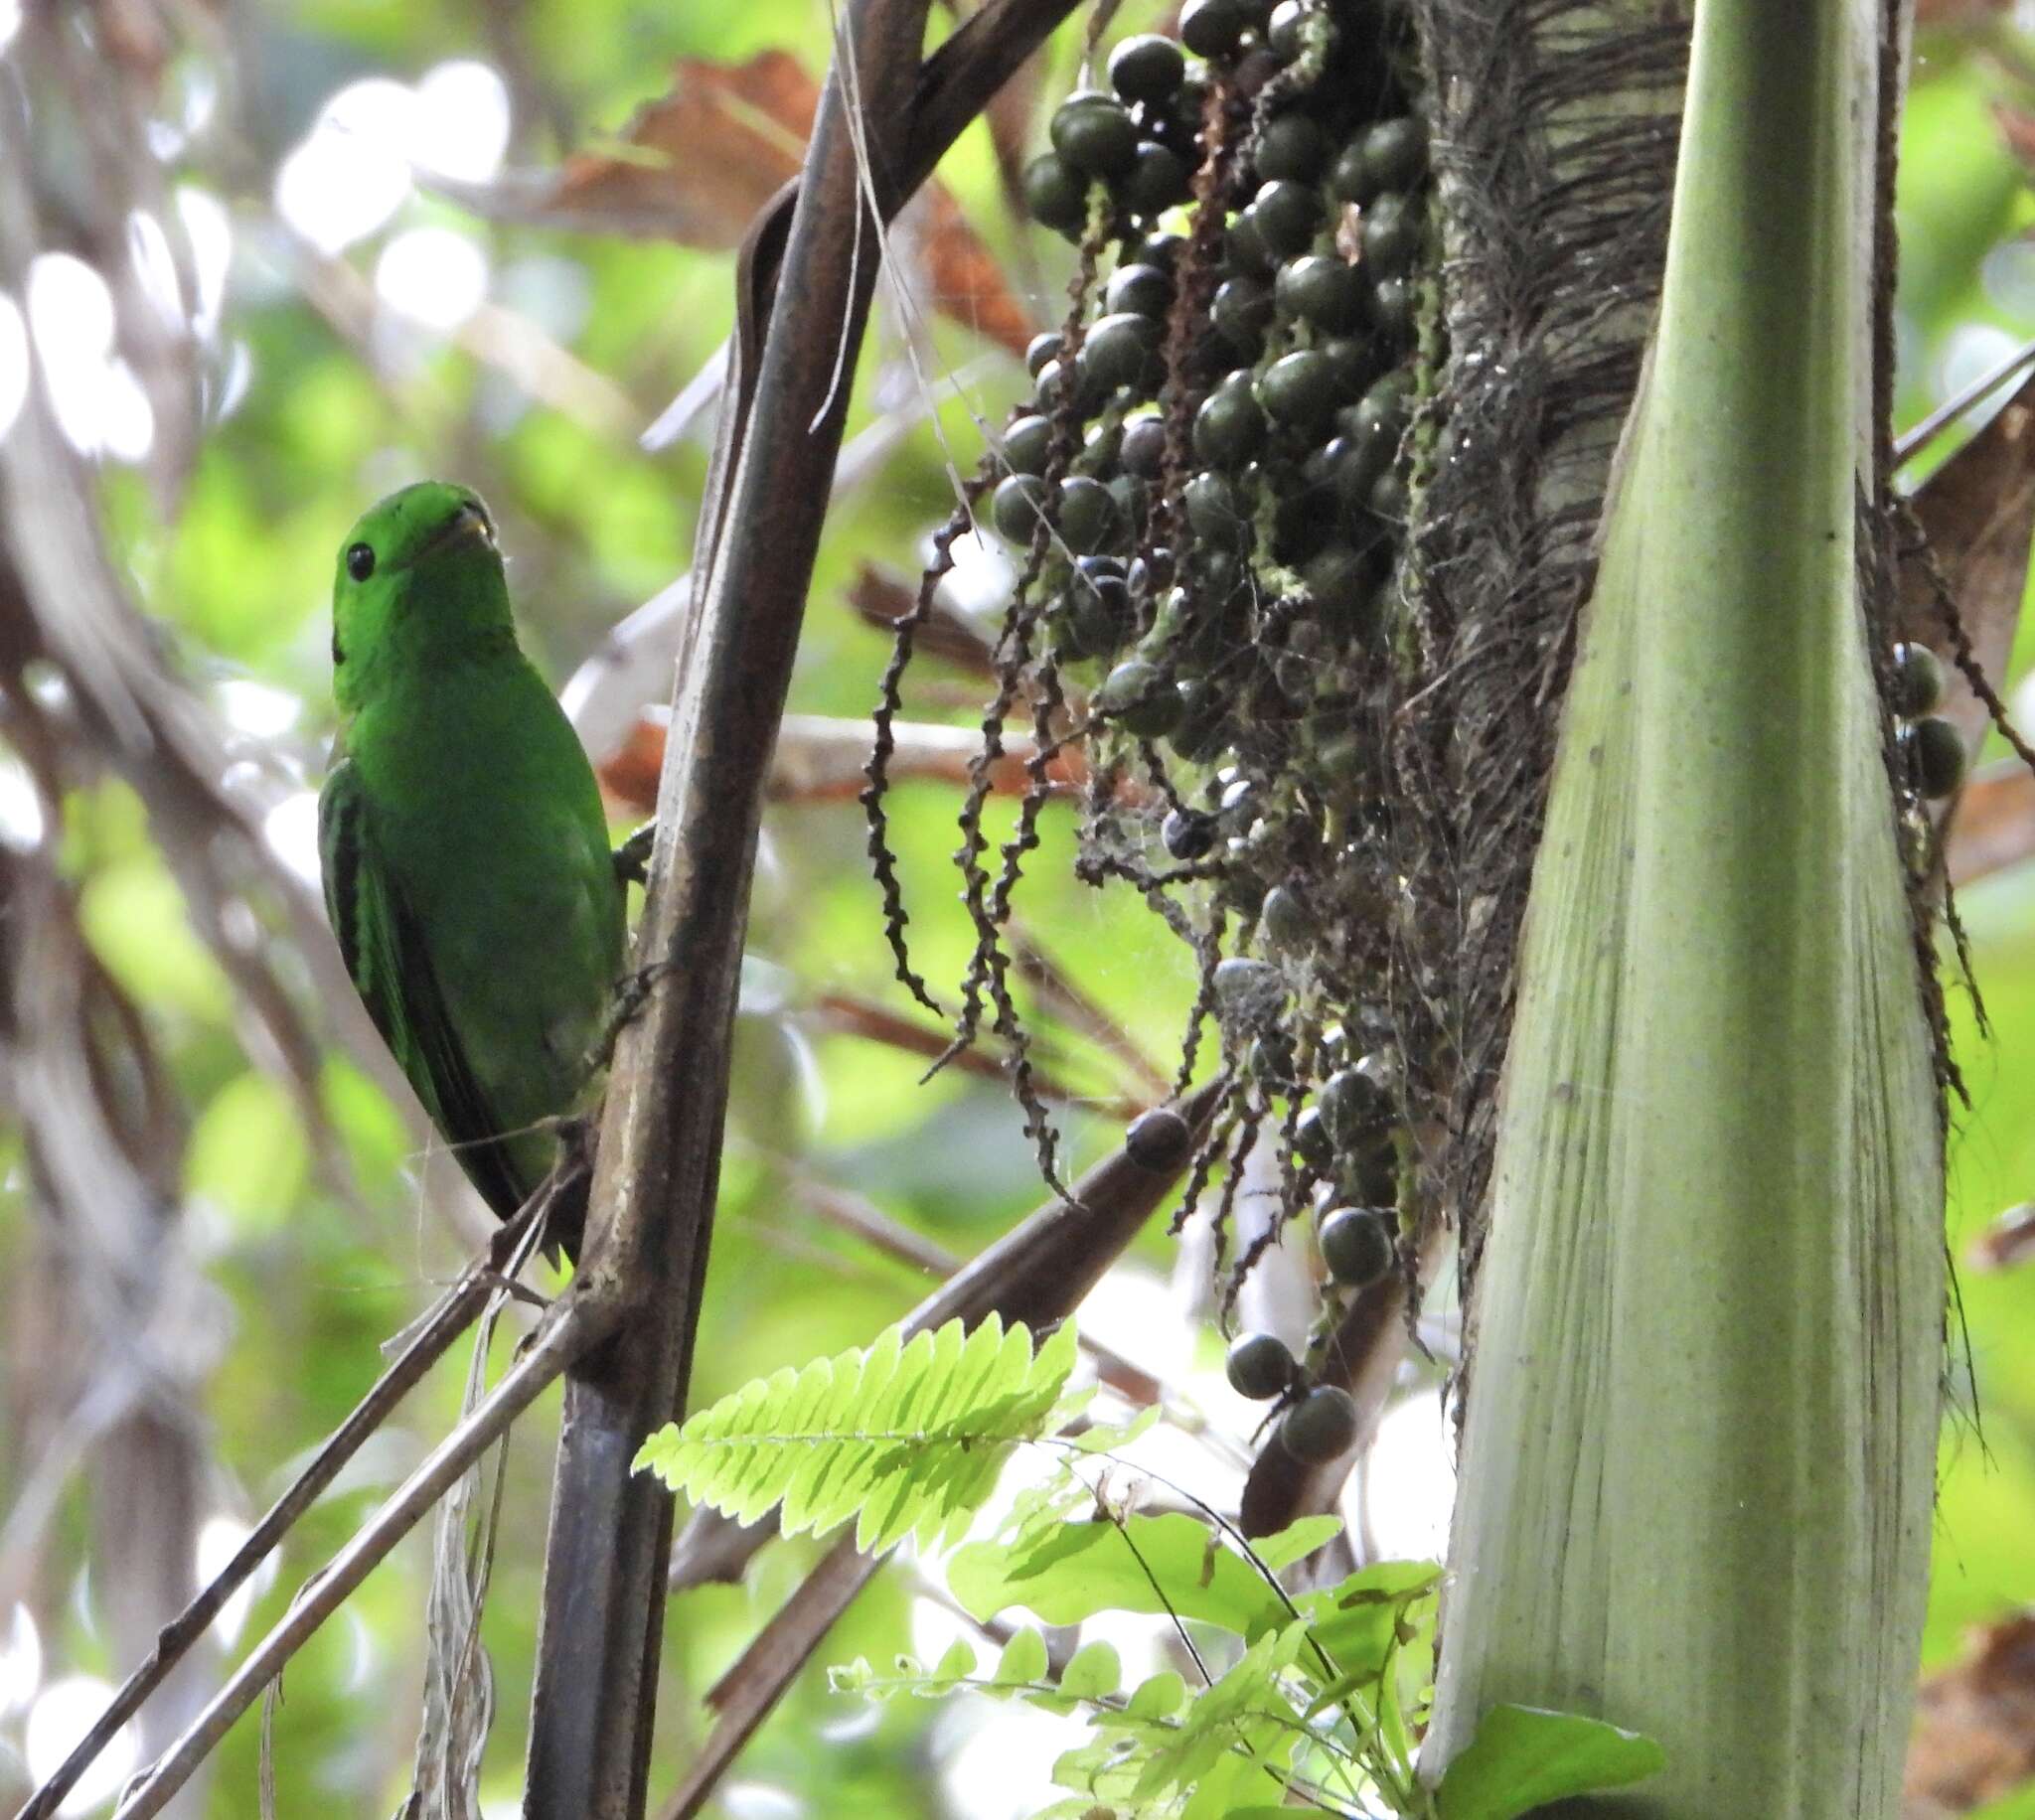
(319, 1264)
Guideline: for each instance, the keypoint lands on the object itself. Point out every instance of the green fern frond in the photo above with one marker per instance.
(906, 1438)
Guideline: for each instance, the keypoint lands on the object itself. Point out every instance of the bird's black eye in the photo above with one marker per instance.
(360, 561)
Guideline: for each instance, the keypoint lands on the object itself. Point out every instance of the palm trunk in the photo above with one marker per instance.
(1697, 1461)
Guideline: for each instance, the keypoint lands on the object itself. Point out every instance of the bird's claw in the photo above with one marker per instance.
(632, 857)
(632, 993)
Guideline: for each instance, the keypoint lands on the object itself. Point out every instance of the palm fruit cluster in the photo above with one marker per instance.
(1209, 490)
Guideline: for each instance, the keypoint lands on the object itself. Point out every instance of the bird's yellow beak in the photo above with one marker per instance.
(469, 522)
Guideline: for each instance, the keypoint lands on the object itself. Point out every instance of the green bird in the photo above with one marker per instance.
(467, 868)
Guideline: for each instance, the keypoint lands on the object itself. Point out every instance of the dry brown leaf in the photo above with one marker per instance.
(697, 164)
(2009, 1241)
(1958, 12)
(882, 598)
(1974, 1725)
(821, 759)
(1979, 511)
(1994, 827)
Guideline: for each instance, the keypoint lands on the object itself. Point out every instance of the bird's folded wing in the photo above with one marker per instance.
(382, 943)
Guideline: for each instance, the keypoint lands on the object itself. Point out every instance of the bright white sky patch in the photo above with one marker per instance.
(62, 1713)
(209, 231)
(10, 21)
(1410, 1481)
(21, 1661)
(258, 710)
(13, 360)
(433, 275)
(292, 831)
(218, 1541)
(355, 168)
(460, 126)
(351, 173)
(98, 402)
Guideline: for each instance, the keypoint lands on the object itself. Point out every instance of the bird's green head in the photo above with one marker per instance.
(419, 584)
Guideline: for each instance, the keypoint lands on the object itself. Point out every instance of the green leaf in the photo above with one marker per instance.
(1296, 1539)
(958, 1663)
(1066, 1572)
(1160, 1697)
(1023, 1660)
(249, 1157)
(1359, 1622)
(1095, 1673)
(1522, 1757)
(905, 1438)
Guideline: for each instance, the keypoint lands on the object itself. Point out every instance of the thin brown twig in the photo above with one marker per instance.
(431, 1337)
(577, 1323)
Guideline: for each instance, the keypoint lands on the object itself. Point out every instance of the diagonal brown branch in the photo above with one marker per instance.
(883, 119)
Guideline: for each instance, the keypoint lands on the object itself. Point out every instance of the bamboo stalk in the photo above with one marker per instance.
(1697, 1466)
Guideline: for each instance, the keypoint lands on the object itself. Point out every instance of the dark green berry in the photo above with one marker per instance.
(1395, 153)
(1392, 307)
(1087, 516)
(1322, 290)
(1260, 1367)
(1187, 834)
(1143, 449)
(1243, 312)
(1147, 68)
(1141, 290)
(1099, 606)
(1119, 351)
(1093, 134)
(1356, 1246)
(1159, 180)
(1213, 512)
(1016, 504)
(1025, 445)
(1057, 195)
(1322, 1427)
(1162, 250)
(1380, 415)
(1292, 145)
(1285, 920)
(1358, 1106)
(1213, 28)
(1287, 31)
(1158, 1139)
(1917, 683)
(1286, 215)
(1041, 349)
(1249, 988)
(1350, 175)
(1141, 696)
(1246, 248)
(1229, 428)
(1353, 360)
(1299, 389)
(1937, 752)
(1054, 387)
(1310, 1139)
(1391, 234)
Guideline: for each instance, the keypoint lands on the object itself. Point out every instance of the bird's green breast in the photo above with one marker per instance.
(485, 809)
